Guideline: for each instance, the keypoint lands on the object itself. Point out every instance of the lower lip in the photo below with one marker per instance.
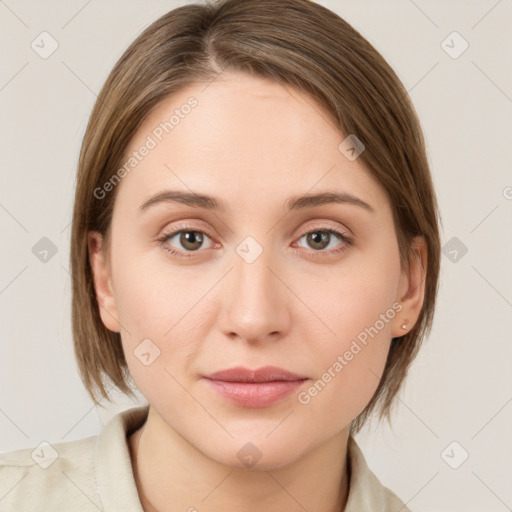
(255, 395)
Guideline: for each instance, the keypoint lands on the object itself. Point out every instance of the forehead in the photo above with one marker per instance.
(242, 135)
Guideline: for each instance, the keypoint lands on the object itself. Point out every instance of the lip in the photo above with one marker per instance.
(264, 374)
(258, 388)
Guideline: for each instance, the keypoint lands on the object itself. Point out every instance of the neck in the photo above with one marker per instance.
(172, 475)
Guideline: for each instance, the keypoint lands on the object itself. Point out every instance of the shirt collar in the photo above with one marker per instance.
(114, 473)
(366, 491)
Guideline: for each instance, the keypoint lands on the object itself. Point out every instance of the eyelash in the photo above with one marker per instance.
(347, 241)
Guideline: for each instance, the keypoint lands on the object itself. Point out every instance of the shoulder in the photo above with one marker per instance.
(53, 475)
(85, 475)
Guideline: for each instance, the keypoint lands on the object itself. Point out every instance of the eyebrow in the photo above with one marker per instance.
(293, 203)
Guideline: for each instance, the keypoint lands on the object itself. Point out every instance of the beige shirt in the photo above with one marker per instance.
(95, 473)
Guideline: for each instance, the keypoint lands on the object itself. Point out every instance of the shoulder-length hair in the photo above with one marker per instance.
(293, 42)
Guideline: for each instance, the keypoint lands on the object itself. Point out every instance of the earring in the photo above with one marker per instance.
(404, 325)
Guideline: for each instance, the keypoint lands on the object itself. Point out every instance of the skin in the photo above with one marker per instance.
(252, 143)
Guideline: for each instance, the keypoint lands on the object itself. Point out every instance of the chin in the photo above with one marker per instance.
(260, 460)
(256, 453)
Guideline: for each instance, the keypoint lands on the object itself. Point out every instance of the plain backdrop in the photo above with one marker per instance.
(457, 400)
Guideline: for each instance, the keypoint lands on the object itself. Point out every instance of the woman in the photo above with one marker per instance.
(255, 247)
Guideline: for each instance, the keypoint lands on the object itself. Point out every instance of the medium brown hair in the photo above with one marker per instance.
(293, 42)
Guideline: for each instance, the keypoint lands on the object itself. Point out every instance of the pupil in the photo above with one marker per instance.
(319, 237)
(191, 237)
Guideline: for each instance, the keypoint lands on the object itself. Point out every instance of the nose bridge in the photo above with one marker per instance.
(255, 306)
(254, 279)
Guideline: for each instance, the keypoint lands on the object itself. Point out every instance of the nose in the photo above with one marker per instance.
(255, 299)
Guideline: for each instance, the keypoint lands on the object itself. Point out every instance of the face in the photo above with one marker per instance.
(311, 289)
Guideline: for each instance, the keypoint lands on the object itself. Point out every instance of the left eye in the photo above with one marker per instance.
(320, 239)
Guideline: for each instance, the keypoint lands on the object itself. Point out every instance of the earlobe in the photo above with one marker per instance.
(412, 290)
(102, 282)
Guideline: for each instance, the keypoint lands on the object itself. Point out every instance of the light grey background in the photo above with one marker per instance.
(459, 388)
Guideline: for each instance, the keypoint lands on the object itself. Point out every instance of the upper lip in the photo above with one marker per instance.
(264, 374)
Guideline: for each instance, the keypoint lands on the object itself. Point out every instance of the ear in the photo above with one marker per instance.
(102, 282)
(411, 290)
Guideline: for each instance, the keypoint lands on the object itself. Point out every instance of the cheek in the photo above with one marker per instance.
(150, 298)
(358, 298)
(161, 316)
(357, 311)
(350, 365)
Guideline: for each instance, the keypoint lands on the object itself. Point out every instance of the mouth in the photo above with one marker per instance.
(255, 388)
(265, 374)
